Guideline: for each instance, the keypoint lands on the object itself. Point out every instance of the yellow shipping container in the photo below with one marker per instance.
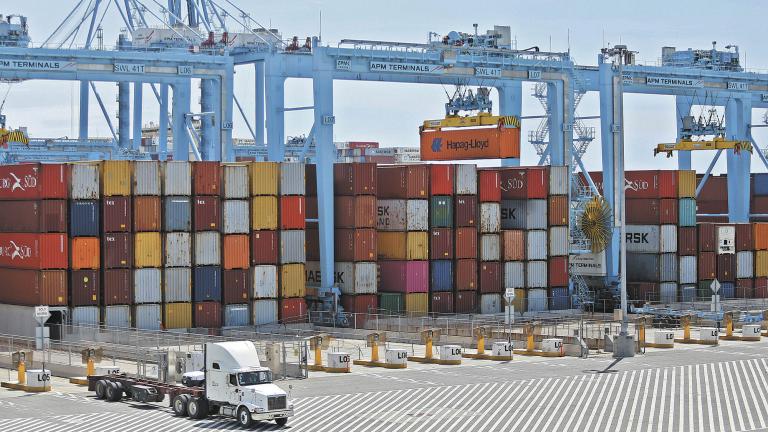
(265, 177)
(292, 281)
(418, 245)
(178, 315)
(417, 303)
(148, 251)
(392, 245)
(116, 178)
(264, 213)
(761, 263)
(520, 302)
(686, 184)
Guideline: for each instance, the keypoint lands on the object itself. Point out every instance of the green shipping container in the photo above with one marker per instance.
(704, 292)
(391, 302)
(441, 212)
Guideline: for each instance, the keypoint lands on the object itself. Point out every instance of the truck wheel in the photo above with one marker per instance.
(244, 417)
(114, 392)
(180, 403)
(198, 408)
(281, 421)
(101, 389)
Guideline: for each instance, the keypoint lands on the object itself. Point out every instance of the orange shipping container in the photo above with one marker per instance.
(558, 210)
(236, 252)
(513, 245)
(761, 236)
(146, 213)
(477, 143)
(85, 253)
(292, 212)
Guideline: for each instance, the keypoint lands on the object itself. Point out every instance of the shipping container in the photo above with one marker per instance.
(146, 213)
(84, 181)
(265, 178)
(355, 245)
(32, 181)
(116, 216)
(354, 179)
(686, 184)
(417, 215)
(392, 303)
(725, 239)
(559, 299)
(33, 287)
(84, 218)
(292, 179)
(687, 212)
(559, 241)
(490, 217)
(744, 240)
(118, 287)
(668, 292)
(293, 310)
(441, 244)
(559, 180)
(404, 276)
(441, 179)
(178, 214)
(293, 212)
(688, 293)
(707, 265)
(761, 288)
(84, 287)
(177, 284)
(514, 274)
(148, 251)
(265, 247)
(236, 286)
(178, 315)
(537, 300)
(491, 278)
(148, 317)
(745, 264)
(646, 184)
(645, 291)
(466, 210)
(236, 181)
(558, 271)
(465, 182)
(441, 275)
(491, 303)
(355, 212)
(292, 281)
(85, 253)
(687, 270)
(524, 183)
(760, 236)
(147, 285)
(177, 178)
(207, 248)
(404, 182)
(178, 249)
(745, 288)
(392, 245)
(34, 251)
(207, 284)
(292, 247)
(264, 213)
(465, 302)
(558, 211)
(489, 185)
(236, 315)
(391, 215)
(417, 303)
(466, 243)
(652, 211)
(146, 178)
(360, 306)
(206, 178)
(668, 271)
(207, 314)
(707, 237)
(513, 244)
(441, 302)
(513, 214)
(536, 274)
(207, 213)
(116, 177)
(236, 217)
(760, 184)
(264, 278)
(651, 238)
(643, 267)
(441, 212)
(761, 264)
(264, 312)
(85, 315)
(117, 316)
(33, 216)
(356, 278)
(466, 274)
(687, 241)
(490, 247)
(536, 245)
(118, 250)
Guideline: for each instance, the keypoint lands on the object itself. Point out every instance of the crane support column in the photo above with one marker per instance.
(275, 99)
(162, 132)
(683, 106)
(738, 116)
(138, 105)
(511, 104)
(85, 94)
(225, 151)
(607, 135)
(259, 121)
(181, 103)
(556, 123)
(124, 114)
(209, 139)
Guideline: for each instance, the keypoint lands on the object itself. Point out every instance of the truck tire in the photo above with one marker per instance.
(244, 417)
(180, 403)
(114, 391)
(281, 421)
(101, 389)
(198, 408)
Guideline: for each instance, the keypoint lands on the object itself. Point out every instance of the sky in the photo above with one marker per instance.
(391, 113)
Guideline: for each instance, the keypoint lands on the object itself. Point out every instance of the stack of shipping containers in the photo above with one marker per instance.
(147, 245)
(441, 236)
(559, 238)
(466, 216)
(292, 256)
(117, 261)
(490, 225)
(265, 245)
(745, 261)
(759, 198)
(760, 238)
(236, 279)
(207, 220)
(177, 239)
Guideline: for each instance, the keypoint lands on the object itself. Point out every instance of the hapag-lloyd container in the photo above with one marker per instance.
(559, 241)
(292, 179)
(355, 245)
(465, 182)
(207, 248)
(292, 247)
(354, 179)
(118, 250)
(490, 247)
(687, 241)
(84, 287)
(417, 215)
(524, 183)
(178, 249)
(236, 181)
(236, 217)
(33, 216)
(355, 211)
(146, 178)
(514, 274)
(441, 212)
(265, 178)
(745, 264)
(84, 218)
(466, 210)
(264, 279)
(116, 176)
(147, 250)
(177, 284)
(491, 278)
(116, 214)
(292, 281)
(117, 316)
(147, 285)
(85, 315)
(513, 245)
(178, 214)
(405, 182)
(206, 283)
(441, 275)
(32, 181)
(237, 249)
(206, 178)
(441, 244)
(404, 276)
(490, 217)
(118, 286)
(466, 243)
(33, 287)
(265, 247)
(148, 316)
(85, 253)
(536, 274)
(207, 213)
(177, 178)
(441, 179)
(34, 251)
(491, 303)
(84, 180)
(489, 181)
(559, 180)
(293, 310)
(264, 311)
(536, 242)
(391, 215)
(146, 213)
(687, 270)
(236, 286)
(441, 302)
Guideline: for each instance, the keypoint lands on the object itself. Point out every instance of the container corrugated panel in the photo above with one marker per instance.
(513, 245)
(392, 245)
(206, 178)
(148, 250)
(687, 241)
(84, 218)
(707, 237)
(668, 292)
(557, 271)
(417, 303)
(536, 214)
(441, 275)
(118, 287)
(207, 248)
(207, 213)
(668, 239)
(146, 178)
(264, 278)
(177, 178)
(148, 317)
(559, 177)
(745, 264)
(761, 264)
(727, 290)
(354, 178)
(85, 315)
(293, 212)
(441, 178)
(393, 303)
(264, 213)
(466, 210)
(236, 315)
(417, 215)
(441, 212)
(84, 287)
(726, 268)
(178, 249)
(117, 316)
(643, 267)
(353, 212)
(236, 181)
(292, 310)
(33, 216)
(236, 286)
(688, 272)
(686, 184)
(292, 179)
(441, 243)
(403, 276)
(745, 288)
(116, 177)
(207, 314)
(514, 275)
(116, 214)
(761, 288)
(292, 281)
(490, 217)
(292, 247)
(408, 182)
(466, 275)
(177, 284)
(265, 177)
(559, 298)
(265, 247)
(490, 247)
(354, 244)
(147, 285)
(236, 217)
(491, 303)
(237, 250)
(744, 240)
(668, 268)
(687, 212)
(513, 214)
(356, 278)
(466, 243)
(441, 302)
(465, 302)
(536, 245)
(536, 274)
(33, 287)
(489, 185)
(760, 236)
(178, 213)
(707, 265)
(178, 315)
(147, 213)
(85, 253)
(391, 215)
(645, 291)
(466, 179)
(537, 300)
(559, 206)
(417, 246)
(264, 312)
(643, 238)
(521, 183)
(559, 241)
(84, 180)
(207, 283)
(491, 277)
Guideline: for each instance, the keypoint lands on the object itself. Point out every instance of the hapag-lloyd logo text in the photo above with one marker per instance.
(15, 251)
(14, 182)
(472, 144)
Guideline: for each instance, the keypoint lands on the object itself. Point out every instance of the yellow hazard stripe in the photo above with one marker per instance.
(18, 136)
(510, 121)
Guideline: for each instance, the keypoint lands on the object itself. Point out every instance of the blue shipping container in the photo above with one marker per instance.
(559, 299)
(84, 218)
(687, 212)
(760, 185)
(727, 290)
(236, 315)
(178, 214)
(207, 283)
(441, 275)
(688, 293)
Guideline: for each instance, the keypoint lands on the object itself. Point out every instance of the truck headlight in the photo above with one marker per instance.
(258, 409)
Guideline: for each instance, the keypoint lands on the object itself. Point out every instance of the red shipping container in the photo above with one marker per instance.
(33, 287)
(465, 302)
(34, 251)
(761, 287)
(360, 304)
(236, 286)
(118, 287)
(311, 203)
(490, 277)
(745, 288)
(355, 212)
(84, 287)
(34, 181)
(441, 244)
(146, 214)
(489, 185)
(687, 241)
(558, 271)
(208, 314)
(206, 178)
(744, 240)
(441, 302)
(207, 213)
(644, 184)
(265, 247)
(712, 207)
(466, 210)
(404, 276)
(559, 207)
(643, 211)
(312, 238)
(715, 189)
(293, 310)
(441, 179)
(293, 213)
(41, 216)
(354, 179)
(310, 180)
(645, 291)
(759, 204)
(466, 243)
(236, 251)
(118, 250)
(116, 214)
(707, 241)
(726, 268)
(466, 275)
(352, 245)
(403, 182)
(522, 183)
(363, 144)
(707, 265)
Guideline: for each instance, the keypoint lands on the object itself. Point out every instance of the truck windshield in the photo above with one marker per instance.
(254, 378)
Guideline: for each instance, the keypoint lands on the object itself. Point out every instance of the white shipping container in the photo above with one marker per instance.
(207, 248)
(292, 178)
(687, 270)
(149, 317)
(536, 244)
(236, 220)
(668, 267)
(264, 312)
(725, 239)
(536, 274)
(391, 215)
(537, 300)
(466, 179)
(236, 315)
(85, 315)
(356, 278)
(643, 238)
(490, 217)
(668, 240)
(178, 178)
(559, 177)
(146, 178)
(84, 181)
(417, 215)
(178, 249)
(264, 281)
(117, 316)
(491, 303)
(514, 274)
(490, 248)
(745, 265)
(536, 214)
(177, 285)
(236, 181)
(668, 292)
(147, 285)
(559, 241)
(293, 247)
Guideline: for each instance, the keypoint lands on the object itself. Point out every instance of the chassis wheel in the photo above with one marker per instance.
(197, 408)
(281, 421)
(180, 405)
(244, 417)
(114, 391)
(101, 389)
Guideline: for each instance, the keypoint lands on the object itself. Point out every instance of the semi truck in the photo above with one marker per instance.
(232, 384)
